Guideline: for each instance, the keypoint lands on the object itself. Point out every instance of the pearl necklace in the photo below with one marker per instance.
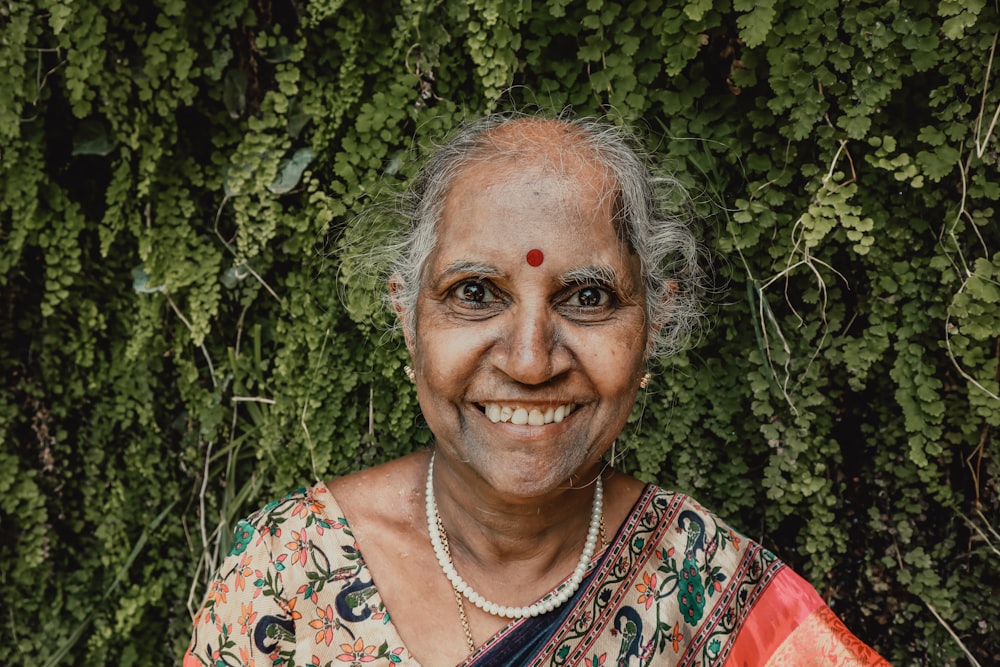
(554, 600)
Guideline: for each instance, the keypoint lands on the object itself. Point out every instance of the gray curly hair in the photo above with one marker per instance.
(653, 218)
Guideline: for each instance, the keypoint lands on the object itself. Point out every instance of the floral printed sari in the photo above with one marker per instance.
(675, 587)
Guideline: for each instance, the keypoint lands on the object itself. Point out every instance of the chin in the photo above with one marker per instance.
(526, 476)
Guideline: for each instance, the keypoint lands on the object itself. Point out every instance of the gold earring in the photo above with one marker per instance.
(410, 373)
(644, 381)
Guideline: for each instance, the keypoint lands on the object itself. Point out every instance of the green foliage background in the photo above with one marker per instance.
(177, 178)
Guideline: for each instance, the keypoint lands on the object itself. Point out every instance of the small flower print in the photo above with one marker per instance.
(217, 594)
(596, 661)
(243, 570)
(289, 608)
(309, 592)
(307, 505)
(247, 618)
(299, 546)
(325, 624)
(710, 548)
(225, 629)
(259, 582)
(647, 589)
(357, 653)
(676, 637)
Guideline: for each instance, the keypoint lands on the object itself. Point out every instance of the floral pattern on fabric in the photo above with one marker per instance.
(293, 591)
(676, 588)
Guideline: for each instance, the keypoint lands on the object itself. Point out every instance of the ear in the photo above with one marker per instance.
(395, 290)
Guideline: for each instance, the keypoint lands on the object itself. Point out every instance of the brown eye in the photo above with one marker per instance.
(590, 297)
(474, 293)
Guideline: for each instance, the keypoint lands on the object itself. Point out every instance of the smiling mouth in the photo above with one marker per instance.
(515, 414)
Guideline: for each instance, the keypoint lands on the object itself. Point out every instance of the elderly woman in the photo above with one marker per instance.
(538, 277)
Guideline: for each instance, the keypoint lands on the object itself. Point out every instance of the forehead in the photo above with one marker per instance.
(549, 197)
(540, 162)
(555, 193)
(533, 184)
(553, 146)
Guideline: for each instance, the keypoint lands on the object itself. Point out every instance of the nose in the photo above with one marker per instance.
(532, 350)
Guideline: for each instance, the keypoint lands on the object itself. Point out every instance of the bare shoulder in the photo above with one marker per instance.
(385, 508)
(621, 492)
(625, 485)
(384, 497)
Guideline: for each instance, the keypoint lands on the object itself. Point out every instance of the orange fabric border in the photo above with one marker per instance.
(792, 626)
(792, 600)
(823, 641)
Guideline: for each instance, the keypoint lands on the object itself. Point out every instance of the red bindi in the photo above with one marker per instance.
(535, 257)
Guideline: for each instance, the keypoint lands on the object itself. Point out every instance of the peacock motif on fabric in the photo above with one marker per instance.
(690, 588)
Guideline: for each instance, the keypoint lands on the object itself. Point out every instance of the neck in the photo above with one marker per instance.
(489, 529)
(439, 540)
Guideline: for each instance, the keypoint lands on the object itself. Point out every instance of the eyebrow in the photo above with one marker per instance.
(466, 268)
(600, 274)
(605, 276)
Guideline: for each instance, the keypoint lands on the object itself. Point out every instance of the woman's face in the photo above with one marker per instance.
(499, 341)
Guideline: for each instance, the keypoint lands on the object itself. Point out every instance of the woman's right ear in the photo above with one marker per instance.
(395, 291)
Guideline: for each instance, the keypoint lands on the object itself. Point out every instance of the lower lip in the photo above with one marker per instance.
(526, 431)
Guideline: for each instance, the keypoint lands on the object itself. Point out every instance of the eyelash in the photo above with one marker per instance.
(490, 290)
(609, 296)
(496, 296)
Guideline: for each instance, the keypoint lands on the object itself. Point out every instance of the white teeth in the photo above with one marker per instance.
(533, 417)
(520, 417)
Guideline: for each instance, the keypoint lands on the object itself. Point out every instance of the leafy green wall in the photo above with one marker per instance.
(175, 348)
